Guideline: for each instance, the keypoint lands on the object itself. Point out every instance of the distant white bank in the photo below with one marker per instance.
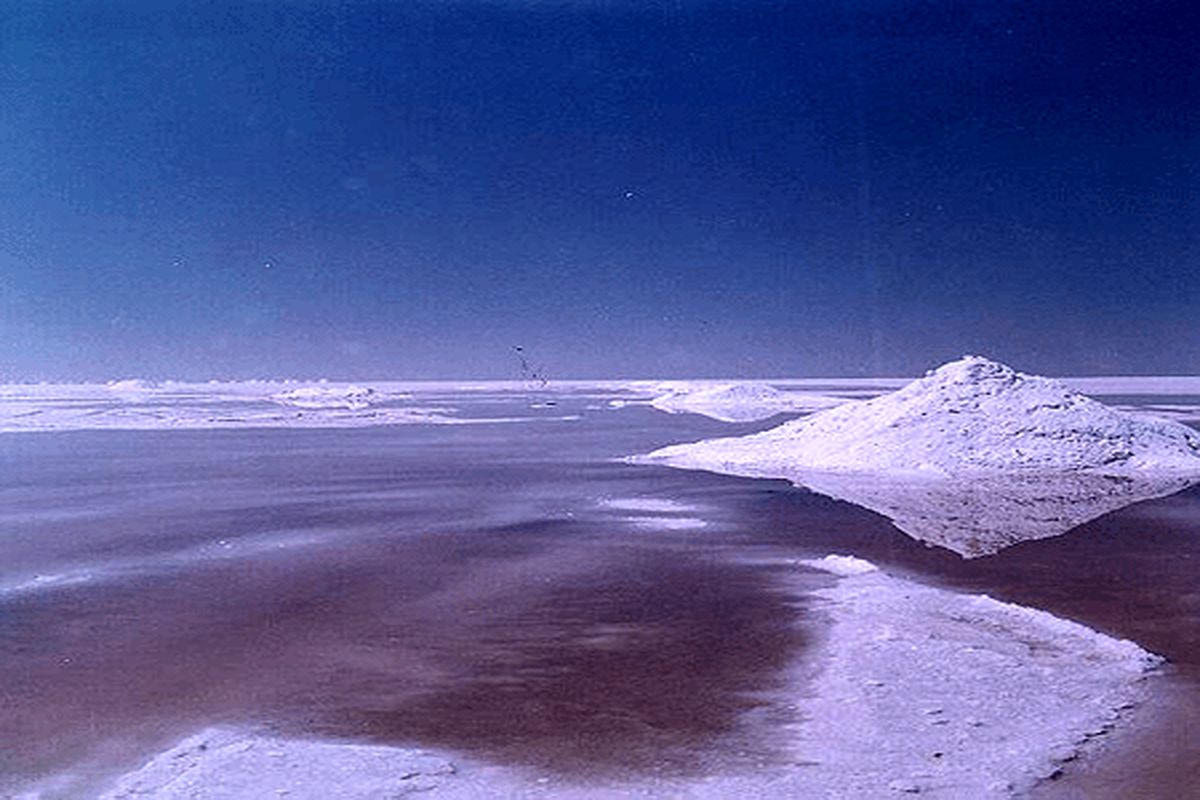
(740, 402)
(350, 397)
(968, 416)
(135, 404)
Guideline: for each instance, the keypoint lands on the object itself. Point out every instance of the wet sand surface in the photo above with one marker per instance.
(464, 589)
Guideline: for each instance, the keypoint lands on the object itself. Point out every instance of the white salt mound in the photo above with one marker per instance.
(969, 416)
(741, 402)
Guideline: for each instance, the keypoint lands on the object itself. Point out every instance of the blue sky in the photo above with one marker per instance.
(409, 190)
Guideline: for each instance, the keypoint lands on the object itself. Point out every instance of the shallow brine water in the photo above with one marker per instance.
(509, 590)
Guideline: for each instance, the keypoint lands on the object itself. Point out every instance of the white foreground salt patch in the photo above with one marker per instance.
(948, 695)
(219, 764)
(741, 402)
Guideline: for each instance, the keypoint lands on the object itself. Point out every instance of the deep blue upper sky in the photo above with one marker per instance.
(740, 188)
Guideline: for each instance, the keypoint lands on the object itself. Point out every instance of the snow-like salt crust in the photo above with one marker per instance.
(739, 402)
(969, 416)
(932, 692)
(229, 765)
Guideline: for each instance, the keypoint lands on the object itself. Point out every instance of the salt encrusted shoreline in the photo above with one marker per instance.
(224, 763)
(944, 694)
(918, 690)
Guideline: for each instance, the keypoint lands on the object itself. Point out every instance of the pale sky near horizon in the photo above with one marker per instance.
(624, 189)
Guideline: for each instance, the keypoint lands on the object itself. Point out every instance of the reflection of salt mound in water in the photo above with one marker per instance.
(224, 765)
(974, 457)
(354, 398)
(742, 402)
(983, 515)
(969, 416)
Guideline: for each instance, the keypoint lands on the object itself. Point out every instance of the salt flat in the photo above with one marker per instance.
(519, 603)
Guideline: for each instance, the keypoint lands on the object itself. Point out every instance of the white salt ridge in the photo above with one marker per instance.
(740, 402)
(969, 416)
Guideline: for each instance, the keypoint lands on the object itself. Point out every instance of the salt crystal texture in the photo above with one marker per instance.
(953, 695)
(227, 765)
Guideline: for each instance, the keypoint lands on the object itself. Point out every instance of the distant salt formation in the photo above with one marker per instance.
(354, 398)
(170, 405)
(131, 385)
(969, 416)
(739, 402)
